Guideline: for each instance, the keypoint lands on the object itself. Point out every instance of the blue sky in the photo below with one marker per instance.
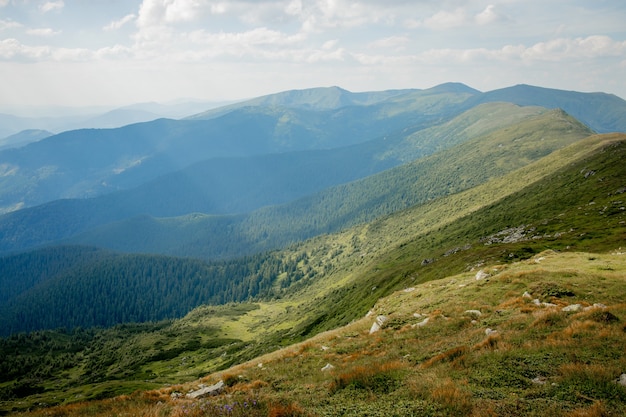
(118, 52)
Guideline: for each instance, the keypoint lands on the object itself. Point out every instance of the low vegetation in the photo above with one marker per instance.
(507, 256)
(537, 358)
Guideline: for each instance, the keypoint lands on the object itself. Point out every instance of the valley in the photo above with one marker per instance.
(259, 242)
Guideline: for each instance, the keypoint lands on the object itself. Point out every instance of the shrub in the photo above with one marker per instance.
(286, 410)
(447, 356)
(455, 401)
(380, 379)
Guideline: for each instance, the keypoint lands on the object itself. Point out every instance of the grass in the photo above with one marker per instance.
(541, 360)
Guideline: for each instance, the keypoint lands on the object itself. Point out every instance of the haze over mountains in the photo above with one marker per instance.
(265, 222)
(62, 119)
(231, 162)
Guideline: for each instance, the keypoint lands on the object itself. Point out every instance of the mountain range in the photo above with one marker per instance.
(162, 251)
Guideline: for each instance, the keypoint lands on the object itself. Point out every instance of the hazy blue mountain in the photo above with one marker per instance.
(221, 186)
(600, 111)
(217, 186)
(321, 98)
(90, 162)
(465, 165)
(24, 138)
(266, 152)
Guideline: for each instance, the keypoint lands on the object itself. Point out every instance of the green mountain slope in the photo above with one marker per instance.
(570, 200)
(493, 151)
(240, 185)
(66, 297)
(600, 111)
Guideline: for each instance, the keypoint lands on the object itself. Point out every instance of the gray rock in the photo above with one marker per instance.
(328, 367)
(422, 323)
(378, 324)
(473, 313)
(481, 275)
(207, 391)
(573, 308)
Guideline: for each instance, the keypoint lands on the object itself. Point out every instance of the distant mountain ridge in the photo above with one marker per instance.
(242, 185)
(600, 111)
(93, 186)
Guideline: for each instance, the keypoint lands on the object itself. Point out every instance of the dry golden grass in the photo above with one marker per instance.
(455, 400)
(451, 355)
(597, 409)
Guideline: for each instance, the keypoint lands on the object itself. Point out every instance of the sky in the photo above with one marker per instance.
(120, 52)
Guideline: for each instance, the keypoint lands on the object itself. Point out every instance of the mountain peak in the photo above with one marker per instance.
(453, 87)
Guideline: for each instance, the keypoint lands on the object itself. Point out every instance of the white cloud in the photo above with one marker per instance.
(4, 3)
(557, 50)
(117, 24)
(13, 49)
(44, 32)
(489, 15)
(396, 43)
(9, 24)
(445, 20)
(51, 5)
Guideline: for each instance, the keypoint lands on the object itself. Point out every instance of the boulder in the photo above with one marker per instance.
(572, 308)
(328, 367)
(473, 313)
(422, 323)
(379, 324)
(207, 391)
(481, 275)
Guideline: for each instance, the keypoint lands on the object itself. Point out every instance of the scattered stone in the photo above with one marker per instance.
(260, 365)
(489, 331)
(328, 367)
(176, 395)
(510, 235)
(473, 313)
(410, 289)
(375, 327)
(527, 295)
(540, 380)
(622, 380)
(427, 261)
(422, 323)
(325, 348)
(418, 315)
(540, 304)
(379, 324)
(574, 308)
(481, 275)
(207, 391)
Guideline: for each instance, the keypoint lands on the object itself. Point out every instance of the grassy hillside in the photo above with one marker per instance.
(570, 201)
(600, 111)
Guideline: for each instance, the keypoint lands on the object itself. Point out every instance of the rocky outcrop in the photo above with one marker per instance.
(214, 389)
